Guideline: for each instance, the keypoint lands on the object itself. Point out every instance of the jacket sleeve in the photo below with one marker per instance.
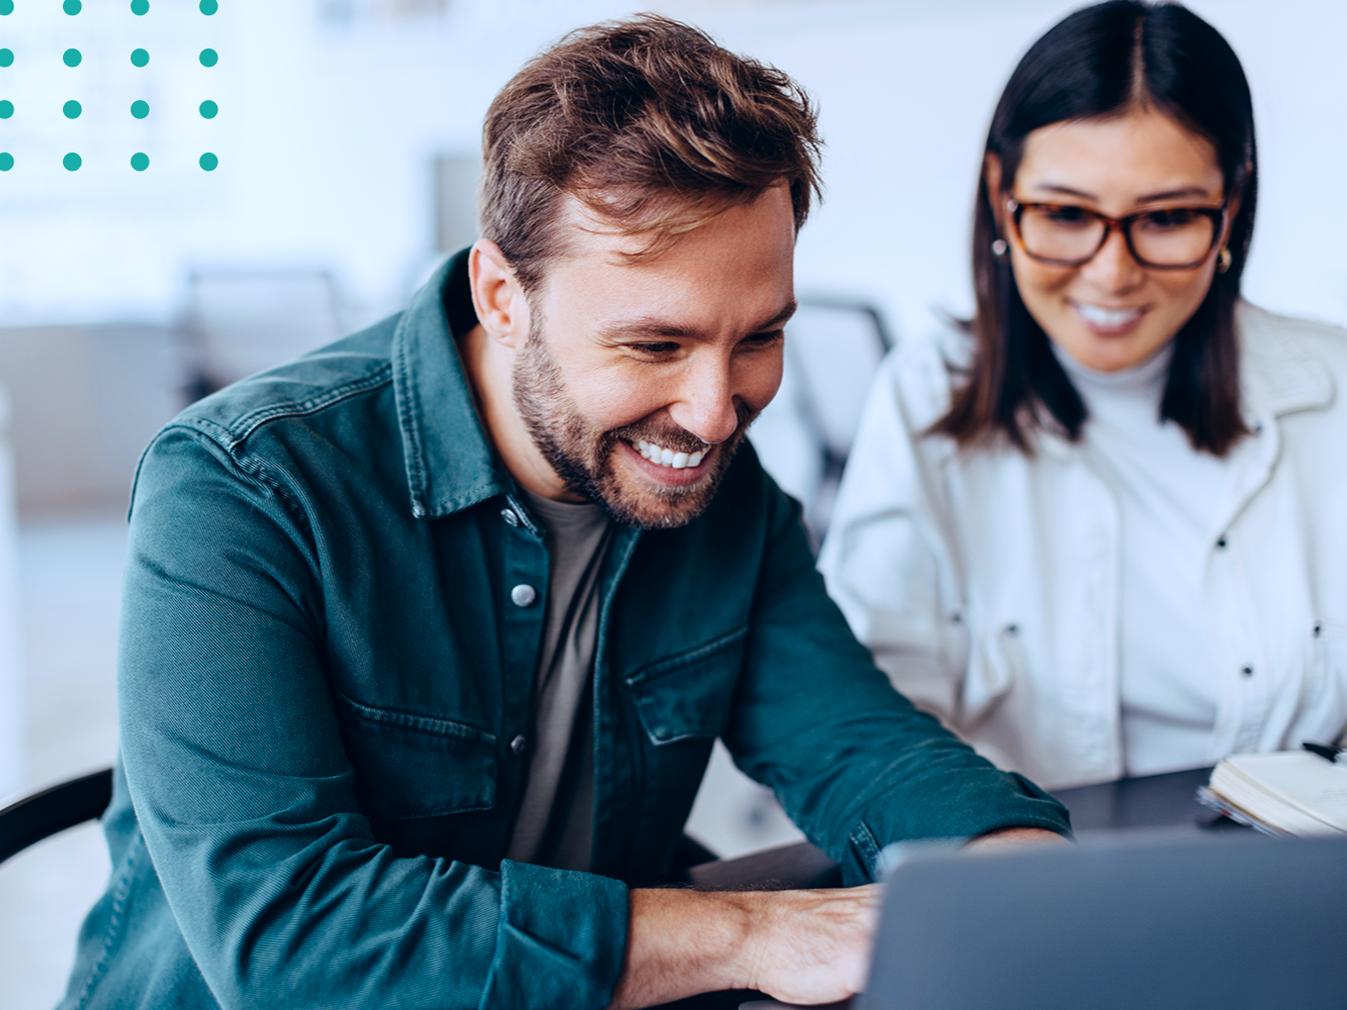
(888, 561)
(244, 793)
(853, 762)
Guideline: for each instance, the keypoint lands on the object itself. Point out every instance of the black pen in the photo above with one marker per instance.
(1326, 751)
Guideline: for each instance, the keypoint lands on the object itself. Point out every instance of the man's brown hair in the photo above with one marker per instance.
(651, 125)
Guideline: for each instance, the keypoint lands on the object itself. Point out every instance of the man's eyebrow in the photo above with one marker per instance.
(653, 327)
(778, 320)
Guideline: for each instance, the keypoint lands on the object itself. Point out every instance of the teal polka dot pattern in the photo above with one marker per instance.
(72, 162)
(209, 7)
(6, 7)
(72, 109)
(209, 162)
(139, 7)
(6, 109)
(140, 109)
(6, 161)
(209, 110)
(6, 57)
(139, 57)
(140, 161)
(209, 57)
(72, 7)
(71, 57)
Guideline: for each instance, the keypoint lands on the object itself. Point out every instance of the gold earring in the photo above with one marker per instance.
(1224, 259)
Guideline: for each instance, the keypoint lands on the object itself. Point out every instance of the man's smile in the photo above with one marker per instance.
(664, 456)
(680, 471)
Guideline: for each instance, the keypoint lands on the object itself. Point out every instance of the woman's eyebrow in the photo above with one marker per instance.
(1163, 194)
(1052, 187)
(1174, 194)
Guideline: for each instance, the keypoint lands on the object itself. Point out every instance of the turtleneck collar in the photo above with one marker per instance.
(1148, 376)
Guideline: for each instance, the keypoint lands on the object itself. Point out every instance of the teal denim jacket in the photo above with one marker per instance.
(325, 684)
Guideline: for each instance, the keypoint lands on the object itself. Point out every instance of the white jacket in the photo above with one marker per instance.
(986, 581)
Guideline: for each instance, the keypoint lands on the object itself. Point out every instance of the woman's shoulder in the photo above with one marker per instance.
(1289, 357)
(1262, 328)
(922, 371)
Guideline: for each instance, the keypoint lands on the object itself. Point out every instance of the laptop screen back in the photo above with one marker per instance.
(1241, 923)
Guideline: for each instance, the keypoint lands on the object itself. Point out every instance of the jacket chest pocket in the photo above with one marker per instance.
(682, 703)
(689, 696)
(410, 766)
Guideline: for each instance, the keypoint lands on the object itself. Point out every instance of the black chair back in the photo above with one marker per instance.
(40, 815)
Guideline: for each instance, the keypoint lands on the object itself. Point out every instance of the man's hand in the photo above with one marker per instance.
(1017, 836)
(798, 946)
(814, 946)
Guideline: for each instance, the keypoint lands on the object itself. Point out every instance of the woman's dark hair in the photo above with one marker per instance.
(1104, 61)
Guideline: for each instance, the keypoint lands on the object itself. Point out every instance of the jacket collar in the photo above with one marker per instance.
(451, 463)
(1279, 374)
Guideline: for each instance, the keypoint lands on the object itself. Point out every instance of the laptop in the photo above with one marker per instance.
(1155, 920)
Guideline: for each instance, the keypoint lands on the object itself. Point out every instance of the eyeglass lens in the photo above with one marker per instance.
(1168, 237)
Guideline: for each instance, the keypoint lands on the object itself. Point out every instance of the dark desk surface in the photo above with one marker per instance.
(1155, 801)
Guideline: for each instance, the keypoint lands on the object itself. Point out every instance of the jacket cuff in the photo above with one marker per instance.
(984, 808)
(561, 939)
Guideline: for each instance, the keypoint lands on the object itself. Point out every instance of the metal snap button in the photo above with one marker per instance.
(511, 519)
(517, 745)
(523, 595)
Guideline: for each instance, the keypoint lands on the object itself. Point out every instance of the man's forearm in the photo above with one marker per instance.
(803, 946)
(681, 943)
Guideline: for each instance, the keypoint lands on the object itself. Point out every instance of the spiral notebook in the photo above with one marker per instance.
(1283, 792)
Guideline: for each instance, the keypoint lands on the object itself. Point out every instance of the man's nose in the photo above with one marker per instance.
(705, 402)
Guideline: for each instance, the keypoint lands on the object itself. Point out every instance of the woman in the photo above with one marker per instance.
(1102, 530)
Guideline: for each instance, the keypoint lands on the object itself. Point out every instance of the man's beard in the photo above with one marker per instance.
(584, 460)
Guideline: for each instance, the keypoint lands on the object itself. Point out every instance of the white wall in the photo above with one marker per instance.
(325, 137)
(11, 681)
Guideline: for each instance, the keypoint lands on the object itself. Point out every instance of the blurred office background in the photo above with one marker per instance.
(347, 146)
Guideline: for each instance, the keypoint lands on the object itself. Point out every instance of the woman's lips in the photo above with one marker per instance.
(1107, 320)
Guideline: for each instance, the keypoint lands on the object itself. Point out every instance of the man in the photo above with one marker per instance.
(428, 635)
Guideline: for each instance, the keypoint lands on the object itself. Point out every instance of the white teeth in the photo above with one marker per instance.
(667, 457)
(1100, 316)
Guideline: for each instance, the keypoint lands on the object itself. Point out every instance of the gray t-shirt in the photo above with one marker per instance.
(554, 826)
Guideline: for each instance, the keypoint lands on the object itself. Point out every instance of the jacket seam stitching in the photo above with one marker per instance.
(242, 429)
(662, 667)
(407, 407)
(115, 921)
(415, 721)
(864, 841)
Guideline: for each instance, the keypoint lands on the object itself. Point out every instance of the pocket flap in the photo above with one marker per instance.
(410, 765)
(690, 694)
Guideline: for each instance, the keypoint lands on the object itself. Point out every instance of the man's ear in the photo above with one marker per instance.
(497, 295)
